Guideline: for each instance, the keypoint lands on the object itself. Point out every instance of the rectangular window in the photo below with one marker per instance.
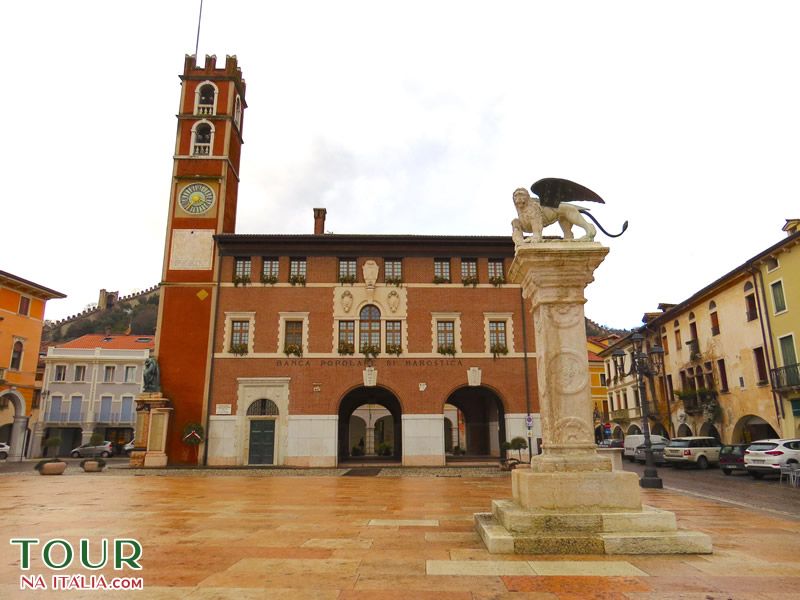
(603, 379)
(496, 268)
(723, 375)
(795, 407)
(750, 307)
(75, 405)
(127, 410)
(469, 267)
(441, 270)
(665, 345)
(130, 374)
(297, 267)
(55, 408)
(61, 373)
(241, 267)
(445, 334)
(677, 339)
(392, 269)
(24, 305)
(497, 334)
(347, 333)
(80, 373)
(269, 267)
(670, 389)
(761, 365)
(294, 334)
(105, 409)
(108, 374)
(240, 333)
(393, 334)
(778, 300)
(714, 324)
(347, 268)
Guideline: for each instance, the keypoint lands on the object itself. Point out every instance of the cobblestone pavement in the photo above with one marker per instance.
(354, 538)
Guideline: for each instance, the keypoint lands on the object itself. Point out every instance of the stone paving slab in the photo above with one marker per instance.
(314, 537)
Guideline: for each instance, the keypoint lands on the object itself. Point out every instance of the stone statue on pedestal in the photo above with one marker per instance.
(152, 379)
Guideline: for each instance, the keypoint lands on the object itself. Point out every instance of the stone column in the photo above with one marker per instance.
(19, 428)
(554, 275)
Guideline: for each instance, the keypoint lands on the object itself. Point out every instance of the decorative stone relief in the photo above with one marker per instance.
(569, 373)
(370, 377)
(474, 376)
(566, 315)
(370, 271)
(347, 301)
(393, 301)
(572, 430)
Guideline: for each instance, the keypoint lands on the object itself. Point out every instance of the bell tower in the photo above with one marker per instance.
(202, 204)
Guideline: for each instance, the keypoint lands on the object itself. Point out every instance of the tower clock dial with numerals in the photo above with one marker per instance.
(196, 198)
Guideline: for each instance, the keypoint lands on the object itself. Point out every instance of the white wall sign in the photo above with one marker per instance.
(223, 409)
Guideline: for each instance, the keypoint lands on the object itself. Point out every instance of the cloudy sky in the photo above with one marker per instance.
(407, 117)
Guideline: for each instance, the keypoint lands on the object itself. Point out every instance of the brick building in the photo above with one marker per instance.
(279, 344)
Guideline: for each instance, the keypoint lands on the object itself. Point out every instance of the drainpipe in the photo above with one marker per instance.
(211, 374)
(771, 350)
(525, 369)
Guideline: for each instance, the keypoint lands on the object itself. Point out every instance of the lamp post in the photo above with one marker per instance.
(643, 365)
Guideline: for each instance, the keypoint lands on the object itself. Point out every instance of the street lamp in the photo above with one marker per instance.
(643, 365)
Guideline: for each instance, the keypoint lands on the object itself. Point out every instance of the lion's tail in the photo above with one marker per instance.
(596, 222)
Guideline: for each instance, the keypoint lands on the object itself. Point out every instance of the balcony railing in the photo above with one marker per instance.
(205, 109)
(784, 378)
(626, 414)
(696, 401)
(202, 150)
(65, 418)
(114, 418)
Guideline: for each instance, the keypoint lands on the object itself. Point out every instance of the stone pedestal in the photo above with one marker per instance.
(152, 422)
(570, 501)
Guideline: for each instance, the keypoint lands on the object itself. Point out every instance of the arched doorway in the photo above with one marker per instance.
(383, 435)
(12, 407)
(617, 435)
(751, 428)
(634, 430)
(262, 421)
(708, 429)
(684, 430)
(483, 416)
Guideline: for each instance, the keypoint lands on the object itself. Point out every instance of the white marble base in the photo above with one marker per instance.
(423, 440)
(312, 440)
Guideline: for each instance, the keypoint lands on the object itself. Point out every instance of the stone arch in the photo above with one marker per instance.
(617, 434)
(372, 395)
(634, 429)
(708, 429)
(684, 430)
(18, 436)
(750, 428)
(483, 413)
(262, 407)
(262, 432)
(658, 429)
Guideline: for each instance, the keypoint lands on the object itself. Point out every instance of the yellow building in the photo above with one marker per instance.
(779, 275)
(597, 378)
(22, 306)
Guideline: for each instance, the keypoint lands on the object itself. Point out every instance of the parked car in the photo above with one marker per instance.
(104, 449)
(696, 450)
(658, 453)
(731, 458)
(5, 450)
(634, 441)
(128, 448)
(611, 444)
(768, 456)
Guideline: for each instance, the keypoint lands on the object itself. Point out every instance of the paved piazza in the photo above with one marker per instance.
(330, 537)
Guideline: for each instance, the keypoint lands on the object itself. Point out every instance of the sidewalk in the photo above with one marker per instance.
(352, 538)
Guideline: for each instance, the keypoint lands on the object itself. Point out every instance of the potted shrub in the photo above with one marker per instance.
(498, 349)
(51, 466)
(507, 464)
(239, 349)
(437, 279)
(497, 280)
(93, 465)
(447, 350)
(395, 281)
(240, 279)
(346, 348)
(370, 351)
(384, 449)
(351, 279)
(293, 350)
(297, 279)
(395, 349)
(470, 280)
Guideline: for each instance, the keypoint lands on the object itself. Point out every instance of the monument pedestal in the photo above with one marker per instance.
(152, 421)
(570, 501)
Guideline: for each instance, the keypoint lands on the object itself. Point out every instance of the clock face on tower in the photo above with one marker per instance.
(196, 198)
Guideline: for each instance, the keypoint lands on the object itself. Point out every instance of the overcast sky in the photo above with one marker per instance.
(407, 117)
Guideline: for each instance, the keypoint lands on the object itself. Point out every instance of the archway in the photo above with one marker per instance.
(684, 430)
(262, 424)
(751, 428)
(708, 429)
(634, 429)
(658, 429)
(13, 415)
(617, 435)
(386, 427)
(484, 420)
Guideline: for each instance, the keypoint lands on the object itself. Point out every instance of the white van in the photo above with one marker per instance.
(632, 441)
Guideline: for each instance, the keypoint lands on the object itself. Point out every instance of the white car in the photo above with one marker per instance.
(5, 450)
(768, 456)
(696, 450)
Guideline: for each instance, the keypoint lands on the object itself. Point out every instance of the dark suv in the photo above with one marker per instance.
(731, 458)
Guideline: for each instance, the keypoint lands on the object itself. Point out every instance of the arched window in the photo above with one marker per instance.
(263, 408)
(205, 101)
(750, 302)
(237, 112)
(712, 313)
(748, 286)
(691, 316)
(370, 327)
(16, 356)
(202, 139)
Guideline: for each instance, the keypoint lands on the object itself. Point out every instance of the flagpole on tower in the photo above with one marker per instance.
(199, 18)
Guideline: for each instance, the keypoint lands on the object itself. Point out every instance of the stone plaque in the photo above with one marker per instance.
(223, 409)
(191, 249)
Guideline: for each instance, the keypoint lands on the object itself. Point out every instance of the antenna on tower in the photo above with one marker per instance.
(199, 19)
